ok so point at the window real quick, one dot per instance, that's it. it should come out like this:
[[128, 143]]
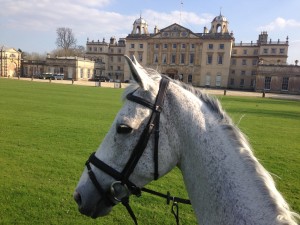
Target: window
[[164, 59], [173, 58], [232, 81], [220, 59], [267, 83], [119, 59], [281, 51], [273, 50], [95, 49], [252, 84], [218, 81], [119, 67], [156, 46], [254, 62], [253, 72], [192, 58], [100, 49], [182, 58], [244, 62], [174, 46], [210, 46], [209, 59], [234, 51], [165, 46], [112, 50], [266, 51], [111, 58], [245, 51], [233, 62], [221, 46], [233, 72], [89, 73], [255, 52], [141, 46], [61, 70], [131, 45], [81, 72], [90, 48], [285, 84], [242, 83], [140, 56], [183, 46], [207, 80], [243, 72], [190, 78], [192, 46], [155, 58], [119, 50]]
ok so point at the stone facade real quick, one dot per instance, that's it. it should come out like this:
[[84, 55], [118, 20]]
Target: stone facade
[[10, 62], [278, 79], [73, 68], [246, 57]]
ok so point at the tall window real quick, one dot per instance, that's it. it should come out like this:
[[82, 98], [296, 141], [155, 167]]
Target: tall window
[[155, 58], [210, 46], [218, 81], [81, 72], [285, 84], [182, 58], [190, 78], [244, 62], [207, 80], [140, 56], [192, 56], [173, 58], [165, 46], [209, 58], [141, 46], [220, 59], [267, 83], [164, 59], [174, 46], [242, 83]]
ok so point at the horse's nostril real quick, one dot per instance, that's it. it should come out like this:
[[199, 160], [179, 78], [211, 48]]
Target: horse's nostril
[[77, 197]]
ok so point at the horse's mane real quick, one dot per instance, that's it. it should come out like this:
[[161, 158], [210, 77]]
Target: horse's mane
[[267, 183]]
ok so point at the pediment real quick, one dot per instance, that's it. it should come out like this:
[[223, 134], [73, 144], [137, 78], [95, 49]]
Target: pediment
[[175, 31]]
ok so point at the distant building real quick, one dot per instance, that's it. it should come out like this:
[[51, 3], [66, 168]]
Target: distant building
[[278, 79], [76, 68], [207, 59], [246, 57], [109, 55], [10, 62]]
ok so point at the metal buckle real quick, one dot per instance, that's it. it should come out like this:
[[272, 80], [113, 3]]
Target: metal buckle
[[118, 191]]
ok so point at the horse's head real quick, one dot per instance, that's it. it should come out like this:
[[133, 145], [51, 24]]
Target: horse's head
[[126, 159]]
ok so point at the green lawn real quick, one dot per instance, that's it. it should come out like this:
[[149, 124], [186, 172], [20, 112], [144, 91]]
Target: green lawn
[[47, 132]]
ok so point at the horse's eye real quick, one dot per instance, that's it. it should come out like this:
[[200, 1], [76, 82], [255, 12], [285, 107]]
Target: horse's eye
[[123, 129]]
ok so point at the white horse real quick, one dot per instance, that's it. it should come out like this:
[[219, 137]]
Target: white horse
[[225, 182]]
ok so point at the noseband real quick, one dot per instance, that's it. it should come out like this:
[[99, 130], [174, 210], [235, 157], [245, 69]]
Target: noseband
[[121, 189]]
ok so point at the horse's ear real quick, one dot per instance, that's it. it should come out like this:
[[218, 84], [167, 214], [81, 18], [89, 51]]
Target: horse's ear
[[139, 74]]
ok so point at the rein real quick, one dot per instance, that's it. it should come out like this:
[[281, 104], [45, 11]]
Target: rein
[[121, 189]]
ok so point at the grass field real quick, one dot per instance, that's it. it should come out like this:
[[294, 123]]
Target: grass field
[[47, 132]]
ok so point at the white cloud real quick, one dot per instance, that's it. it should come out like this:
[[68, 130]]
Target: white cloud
[[280, 23]]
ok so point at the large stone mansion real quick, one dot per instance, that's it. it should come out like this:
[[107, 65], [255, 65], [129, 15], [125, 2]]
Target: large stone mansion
[[207, 59]]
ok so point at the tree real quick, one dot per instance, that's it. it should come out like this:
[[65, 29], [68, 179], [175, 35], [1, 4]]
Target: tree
[[65, 38]]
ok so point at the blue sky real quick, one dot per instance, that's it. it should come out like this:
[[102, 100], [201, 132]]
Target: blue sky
[[31, 24]]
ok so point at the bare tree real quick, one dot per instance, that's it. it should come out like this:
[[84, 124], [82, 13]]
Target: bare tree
[[65, 38]]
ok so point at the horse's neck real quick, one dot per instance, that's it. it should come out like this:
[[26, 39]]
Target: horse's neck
[[225, 182]]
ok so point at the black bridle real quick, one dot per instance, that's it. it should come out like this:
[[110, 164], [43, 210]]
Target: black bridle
[[121, 189]]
